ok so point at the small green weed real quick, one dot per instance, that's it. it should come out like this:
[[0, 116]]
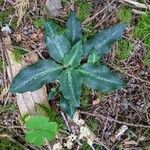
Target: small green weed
[[85, 98], [124, 14], [85, 8], [9, 108], [18, 53], [102, 96], [142, 31], [6, 144], [5, 15], [52, 115], [39, 129], [146, 60], [93, 124], [39, 23], [89, 30], [146, 132], [124, 49]]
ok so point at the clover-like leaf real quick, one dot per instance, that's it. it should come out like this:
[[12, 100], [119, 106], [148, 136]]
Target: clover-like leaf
[[103, 40], [35, 76], [74, 56], [70, 82], [99, 77], [66, 106], [74, 29], [39, 129]]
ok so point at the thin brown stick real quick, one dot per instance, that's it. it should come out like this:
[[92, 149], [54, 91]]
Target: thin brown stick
[[101, 22], [66, 121], [93, 17], [130, 75], [113, 120], [135, 4], [11, 127], [48, 144]]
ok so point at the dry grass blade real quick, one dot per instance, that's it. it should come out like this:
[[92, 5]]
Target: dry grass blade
[[113, 120], [136, 4], [20, 9], [96, 14]]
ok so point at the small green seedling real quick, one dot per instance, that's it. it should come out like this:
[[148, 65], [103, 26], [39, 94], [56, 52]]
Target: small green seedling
[[142, 31], [124, 14], [39, 129], [67, 51]]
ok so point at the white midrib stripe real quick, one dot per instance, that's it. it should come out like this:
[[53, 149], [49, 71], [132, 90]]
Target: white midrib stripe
[[59, 47], [99, 78], [70, 84], [52, 32], [35, 77], [105, 41], [73, 31], [74, 56], [94, 58]]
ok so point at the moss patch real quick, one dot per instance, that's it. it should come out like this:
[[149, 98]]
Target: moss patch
[[124, 14]]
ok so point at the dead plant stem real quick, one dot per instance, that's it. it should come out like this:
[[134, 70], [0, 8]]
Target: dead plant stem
[[113, 120]]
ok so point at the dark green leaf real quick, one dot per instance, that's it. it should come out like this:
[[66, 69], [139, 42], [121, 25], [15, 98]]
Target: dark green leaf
[[73, 57], [40, 129], [103, 41], [74, 29], [67, 107], [70, 82], [58, 46], [57, 43], [99, 77], [93, 58], [52, 93], [35, 76], [51, 29]]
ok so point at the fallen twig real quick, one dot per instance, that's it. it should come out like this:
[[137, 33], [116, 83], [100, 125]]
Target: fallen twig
[[113, 120], [101, 22], [138, 12], [94, 16], [136, 4], [130, 75]]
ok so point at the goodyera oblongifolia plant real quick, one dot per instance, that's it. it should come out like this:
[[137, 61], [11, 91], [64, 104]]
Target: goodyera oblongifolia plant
[[67, 50]]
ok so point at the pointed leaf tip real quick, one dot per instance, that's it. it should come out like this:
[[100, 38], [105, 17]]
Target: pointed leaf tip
[[99, 77], [67, 107], [103, 40], [34, 76], [74, 28]]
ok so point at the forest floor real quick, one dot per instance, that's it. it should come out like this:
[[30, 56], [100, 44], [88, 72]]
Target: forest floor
[[121, 119]]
